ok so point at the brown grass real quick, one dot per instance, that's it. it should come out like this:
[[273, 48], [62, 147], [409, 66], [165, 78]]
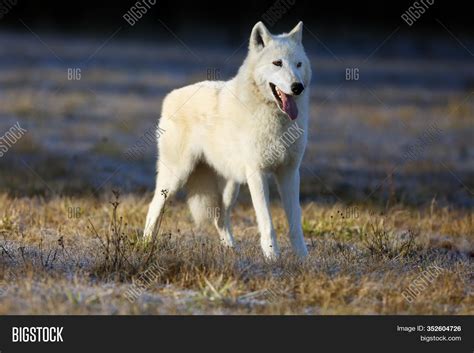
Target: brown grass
[[65, 255]]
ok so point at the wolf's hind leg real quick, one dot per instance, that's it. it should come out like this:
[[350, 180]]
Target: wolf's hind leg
[[230, 191], [210, 198], [203, 193], [167, 183]]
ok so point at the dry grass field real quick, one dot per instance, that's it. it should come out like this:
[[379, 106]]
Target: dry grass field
[[360, 261], [387, 184]]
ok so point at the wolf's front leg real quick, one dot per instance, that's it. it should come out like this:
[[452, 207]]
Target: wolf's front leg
[[258, 187], [288, 181]]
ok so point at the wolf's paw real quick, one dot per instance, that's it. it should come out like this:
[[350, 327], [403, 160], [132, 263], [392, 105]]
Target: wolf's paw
[[227, 242], [271, 251], [301, 251], [146, 236]]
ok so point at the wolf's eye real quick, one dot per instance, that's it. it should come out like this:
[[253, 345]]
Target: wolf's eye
[[299, 64], [277, 63]]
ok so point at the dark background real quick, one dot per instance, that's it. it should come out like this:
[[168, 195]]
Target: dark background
[[411, 76], [233, 17]]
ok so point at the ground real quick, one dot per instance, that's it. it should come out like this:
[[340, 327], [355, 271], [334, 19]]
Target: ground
[[360, 262], [387, 183]]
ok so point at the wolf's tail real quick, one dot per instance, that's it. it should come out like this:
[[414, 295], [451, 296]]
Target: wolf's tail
[[203, 194]]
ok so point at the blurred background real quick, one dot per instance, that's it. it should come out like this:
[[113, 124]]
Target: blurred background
[[391, 98]]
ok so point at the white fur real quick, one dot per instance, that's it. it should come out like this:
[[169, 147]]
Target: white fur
[[217, 135]]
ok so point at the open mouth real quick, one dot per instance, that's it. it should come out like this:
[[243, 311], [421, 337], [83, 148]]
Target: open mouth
[[285, 102]]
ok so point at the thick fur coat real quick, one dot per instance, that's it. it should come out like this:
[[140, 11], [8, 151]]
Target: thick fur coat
[[216, 135]]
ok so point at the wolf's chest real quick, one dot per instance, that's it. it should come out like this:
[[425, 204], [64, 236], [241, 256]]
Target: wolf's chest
[[278, 144]]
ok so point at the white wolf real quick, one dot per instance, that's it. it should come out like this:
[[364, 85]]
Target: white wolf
[[218, 135]]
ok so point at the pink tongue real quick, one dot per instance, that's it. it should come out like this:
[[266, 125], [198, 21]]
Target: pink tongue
[[289, 106]]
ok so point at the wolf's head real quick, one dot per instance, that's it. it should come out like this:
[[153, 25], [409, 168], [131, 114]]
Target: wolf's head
[[281, 69]]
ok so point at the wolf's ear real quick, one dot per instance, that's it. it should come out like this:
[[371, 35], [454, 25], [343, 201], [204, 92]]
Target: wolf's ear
[[297, 32], [260, 37]]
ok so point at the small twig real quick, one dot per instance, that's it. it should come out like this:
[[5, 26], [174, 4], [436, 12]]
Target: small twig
[[6, 252]]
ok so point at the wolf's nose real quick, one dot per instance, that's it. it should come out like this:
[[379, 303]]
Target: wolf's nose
[[297, 88]]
